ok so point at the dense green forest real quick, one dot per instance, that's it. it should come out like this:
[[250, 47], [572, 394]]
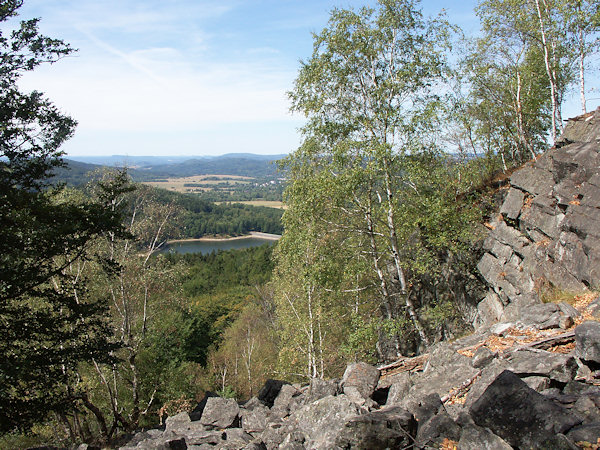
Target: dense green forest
[[257, 166], [199, 217], [407, 125]]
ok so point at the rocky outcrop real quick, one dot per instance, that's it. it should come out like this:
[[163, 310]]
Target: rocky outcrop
[[533, 389], [547, 232]]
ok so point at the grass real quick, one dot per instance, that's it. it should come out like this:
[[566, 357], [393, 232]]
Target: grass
[[177, 183], [268, 203], [556, 295]]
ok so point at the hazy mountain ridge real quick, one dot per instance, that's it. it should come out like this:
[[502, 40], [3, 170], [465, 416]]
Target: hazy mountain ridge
[[145, 168]]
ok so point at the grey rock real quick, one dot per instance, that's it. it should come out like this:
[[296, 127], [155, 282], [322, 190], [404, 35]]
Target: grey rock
[[585, 433], [566, 322], [518, 414], [482, 357], [199, 409], [256, 445], [532, 179], [428, 406], [254, 420], [220, 413], [174, 422], [538, 314], [500, 329], [254, 402], [473, 437], [237, 438], [214, 437], [594, 307], [319, 389], [587, 341], [489, 310], [555, 366], [538, 384], [513, 203], [284, 402], [360, 379], [436, 429], [569, 310], [390, 427], [587, 408], [322, 420], [273, 436], [270, 391], [399, 389]]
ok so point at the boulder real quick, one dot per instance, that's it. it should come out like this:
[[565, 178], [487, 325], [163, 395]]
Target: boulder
[[274, 435], [518, 414], [181, 419], [284, 402], [321, 421], [237, 438], [538, 384], [555, 366], [399, 388], [390, 427], [512, 203], [254, 420], [482, 357], [360, 380], [587, 341], [540, 316], [197, 412], [473, 437], [211, 437], [439, 427], [270, 391], [320, 388], [220, 413], [589, 433]]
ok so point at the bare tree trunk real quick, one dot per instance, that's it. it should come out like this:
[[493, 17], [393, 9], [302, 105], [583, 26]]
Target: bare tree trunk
[[410, 307], [549, 70], [582, 71]]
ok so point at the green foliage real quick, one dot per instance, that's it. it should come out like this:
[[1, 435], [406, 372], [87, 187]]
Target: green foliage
[[227, 392], [47, 329], [215, 272], [372, 200], [201, 217]]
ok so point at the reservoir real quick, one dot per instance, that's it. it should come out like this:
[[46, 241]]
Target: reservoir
[[206, 246]]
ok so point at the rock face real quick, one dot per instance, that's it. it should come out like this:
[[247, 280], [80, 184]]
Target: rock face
[[548, 229]]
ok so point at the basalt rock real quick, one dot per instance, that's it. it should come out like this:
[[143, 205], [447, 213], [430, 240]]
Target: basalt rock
[[547, 232]]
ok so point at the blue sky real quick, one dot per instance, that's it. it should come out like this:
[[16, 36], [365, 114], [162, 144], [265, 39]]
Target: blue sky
[[185, 77]]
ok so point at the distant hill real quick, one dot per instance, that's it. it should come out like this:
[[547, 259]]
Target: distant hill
[[243, 165], [75, 173], [147, 168]]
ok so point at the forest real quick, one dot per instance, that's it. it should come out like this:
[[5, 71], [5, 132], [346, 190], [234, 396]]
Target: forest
[[409, 127]]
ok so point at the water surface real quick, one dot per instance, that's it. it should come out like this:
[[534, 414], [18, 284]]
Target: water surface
[[205, 247]]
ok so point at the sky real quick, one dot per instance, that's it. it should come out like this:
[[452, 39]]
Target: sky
[[185, 77]]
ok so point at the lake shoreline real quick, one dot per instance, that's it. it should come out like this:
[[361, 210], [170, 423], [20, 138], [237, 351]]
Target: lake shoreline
[[253, 234]]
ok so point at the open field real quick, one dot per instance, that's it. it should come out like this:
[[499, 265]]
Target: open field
[[178, 184], [270, 204]]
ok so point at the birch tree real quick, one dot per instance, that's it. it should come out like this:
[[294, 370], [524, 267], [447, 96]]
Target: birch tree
[[370, 92]]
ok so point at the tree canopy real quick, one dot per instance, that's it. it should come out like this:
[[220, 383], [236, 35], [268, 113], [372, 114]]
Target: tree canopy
[[46, 328]]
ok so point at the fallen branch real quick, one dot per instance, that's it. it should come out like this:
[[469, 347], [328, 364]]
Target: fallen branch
[[547, 342], [462, 388]]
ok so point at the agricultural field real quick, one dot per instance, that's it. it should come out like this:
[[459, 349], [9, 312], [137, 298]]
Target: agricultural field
[[267, 203], [199, 183]]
